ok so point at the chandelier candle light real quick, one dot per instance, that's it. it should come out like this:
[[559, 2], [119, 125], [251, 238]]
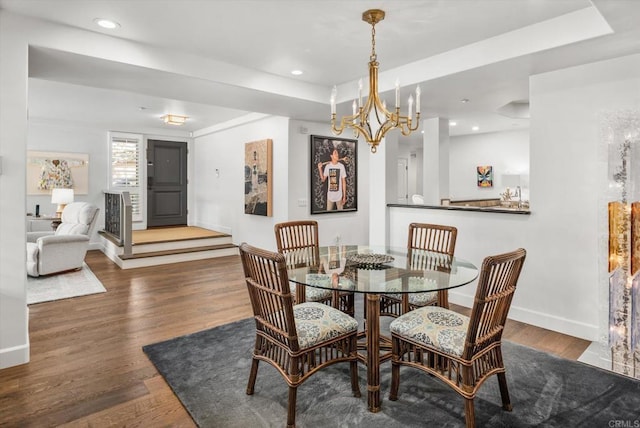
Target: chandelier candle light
[[387, 120]]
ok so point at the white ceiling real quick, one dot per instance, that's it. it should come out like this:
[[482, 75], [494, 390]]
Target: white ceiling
[[481, 50]]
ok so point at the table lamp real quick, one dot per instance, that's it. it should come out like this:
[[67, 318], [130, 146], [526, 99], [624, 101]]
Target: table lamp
[[62, 197]]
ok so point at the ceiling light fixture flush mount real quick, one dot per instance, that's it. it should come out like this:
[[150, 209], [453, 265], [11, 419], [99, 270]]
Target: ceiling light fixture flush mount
[[174, 119], [374, 107], [106, 23]]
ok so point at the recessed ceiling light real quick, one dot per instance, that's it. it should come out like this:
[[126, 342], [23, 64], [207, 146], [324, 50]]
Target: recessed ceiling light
[[475, 128], [296, 72], [106, 23], [452, 123], [464, 100]]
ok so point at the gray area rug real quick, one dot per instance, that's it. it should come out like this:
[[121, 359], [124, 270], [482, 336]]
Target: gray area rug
[[63, 286], [209, 370]]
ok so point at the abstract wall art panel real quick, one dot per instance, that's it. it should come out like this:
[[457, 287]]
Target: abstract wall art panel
[[485, 176]]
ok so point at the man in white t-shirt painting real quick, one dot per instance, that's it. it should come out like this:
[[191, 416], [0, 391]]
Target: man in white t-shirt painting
[[337, 185]]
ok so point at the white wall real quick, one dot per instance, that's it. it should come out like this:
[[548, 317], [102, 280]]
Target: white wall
[[507, 152], [561, 287], [219, 200], [569, 174]]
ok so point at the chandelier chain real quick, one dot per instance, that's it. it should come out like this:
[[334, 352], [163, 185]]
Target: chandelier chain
[[373, 56]]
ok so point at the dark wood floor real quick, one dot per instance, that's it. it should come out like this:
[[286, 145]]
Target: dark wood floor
[[87, 366]]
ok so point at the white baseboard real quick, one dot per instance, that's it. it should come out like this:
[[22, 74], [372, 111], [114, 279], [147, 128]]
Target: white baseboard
[[596, 356], [14, 356], [538, 319], [216, 227], [95, 246]]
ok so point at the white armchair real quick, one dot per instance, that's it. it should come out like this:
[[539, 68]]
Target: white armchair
[[64, 249]]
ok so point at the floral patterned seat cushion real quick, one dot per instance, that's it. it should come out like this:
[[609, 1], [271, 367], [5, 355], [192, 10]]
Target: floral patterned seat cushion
[[311, 294], [416, 299], [330, 280], [316, 323], [433, 326]]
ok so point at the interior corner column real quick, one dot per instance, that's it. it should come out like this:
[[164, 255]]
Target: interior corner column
[[378, 217], [435, 158], [14, 73]]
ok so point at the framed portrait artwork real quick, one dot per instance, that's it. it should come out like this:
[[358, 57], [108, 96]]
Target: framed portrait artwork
[[258, 182], [334, 175]]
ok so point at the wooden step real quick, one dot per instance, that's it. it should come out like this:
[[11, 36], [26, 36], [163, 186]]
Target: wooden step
[[176, 251], [168, 251]]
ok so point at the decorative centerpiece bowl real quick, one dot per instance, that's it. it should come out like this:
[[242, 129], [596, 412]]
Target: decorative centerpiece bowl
[[369, 261]]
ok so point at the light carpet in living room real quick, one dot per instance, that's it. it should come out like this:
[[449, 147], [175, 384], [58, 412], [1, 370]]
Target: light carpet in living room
[[63, 286]]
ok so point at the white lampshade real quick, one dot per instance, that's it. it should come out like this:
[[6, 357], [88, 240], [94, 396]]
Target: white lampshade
[[61, 196]]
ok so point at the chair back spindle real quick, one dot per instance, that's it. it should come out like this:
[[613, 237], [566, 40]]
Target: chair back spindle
[[271, 298], [298, 242], [424, 240], [497, 283], [432, 237]]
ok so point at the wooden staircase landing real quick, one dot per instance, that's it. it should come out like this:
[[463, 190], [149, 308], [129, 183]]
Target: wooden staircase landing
[[159, 246]]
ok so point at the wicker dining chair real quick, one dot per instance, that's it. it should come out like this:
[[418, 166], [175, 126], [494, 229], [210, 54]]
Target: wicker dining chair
[[422, 237], [298, 242], [461, 351], [298, 340]]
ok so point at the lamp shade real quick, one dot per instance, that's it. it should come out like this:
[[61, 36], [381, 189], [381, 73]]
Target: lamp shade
[[61, 196]]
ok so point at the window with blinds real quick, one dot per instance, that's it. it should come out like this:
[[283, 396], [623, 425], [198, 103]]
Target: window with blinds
[[125, 174]]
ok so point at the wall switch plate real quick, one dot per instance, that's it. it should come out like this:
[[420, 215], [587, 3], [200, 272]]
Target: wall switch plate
[[302, 202]]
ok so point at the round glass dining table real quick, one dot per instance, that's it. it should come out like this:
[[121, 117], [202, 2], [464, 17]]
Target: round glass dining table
[[373, 271]]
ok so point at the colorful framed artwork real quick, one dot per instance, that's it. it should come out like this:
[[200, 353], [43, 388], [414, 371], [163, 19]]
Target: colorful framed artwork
[[485, 176], [258, 178], [49, 170], [617, 225], [334, 175]]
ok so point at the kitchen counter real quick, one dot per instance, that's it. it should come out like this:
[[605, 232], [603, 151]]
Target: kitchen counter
[[494, 209]]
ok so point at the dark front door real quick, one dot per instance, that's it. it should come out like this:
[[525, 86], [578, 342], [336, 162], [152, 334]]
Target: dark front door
[[166, 183]]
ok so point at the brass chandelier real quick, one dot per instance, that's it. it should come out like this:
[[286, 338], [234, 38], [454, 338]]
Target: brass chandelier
[[362, 114]]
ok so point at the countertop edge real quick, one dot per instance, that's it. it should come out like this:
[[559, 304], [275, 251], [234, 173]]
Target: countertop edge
[[459, 208]]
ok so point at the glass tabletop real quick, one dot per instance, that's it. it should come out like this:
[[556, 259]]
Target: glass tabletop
[[371, 269]]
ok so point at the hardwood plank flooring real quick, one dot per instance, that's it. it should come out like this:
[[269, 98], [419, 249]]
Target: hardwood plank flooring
[[87, 366]]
